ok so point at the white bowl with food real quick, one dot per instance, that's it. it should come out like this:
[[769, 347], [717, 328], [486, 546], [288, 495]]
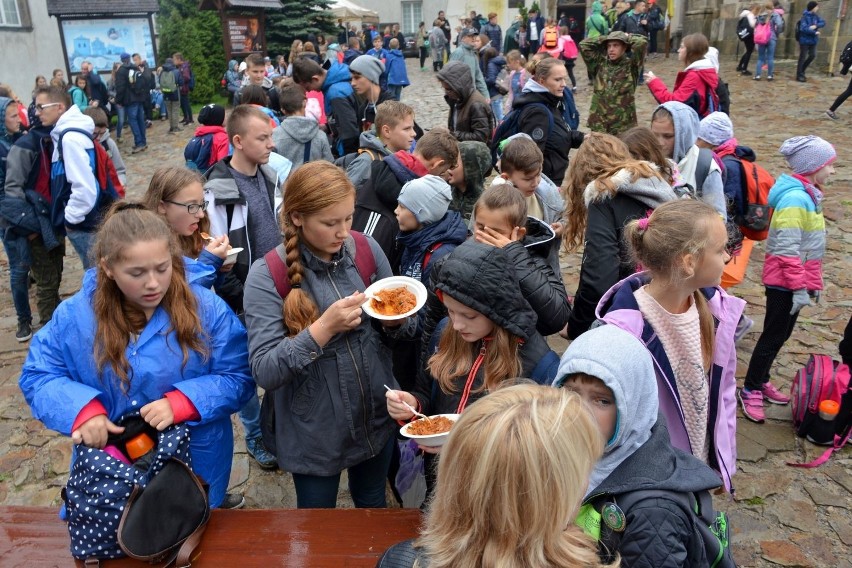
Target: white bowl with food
[[419, 430], [401, 297], [232, 256]]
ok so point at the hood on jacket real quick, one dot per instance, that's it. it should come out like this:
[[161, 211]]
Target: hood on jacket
[[597, 7], [72, 118], [370, 141], [476, 275], [713, 57], [231, 64], [450, 229], [210, 129], [786, 184], [686, 125], [459, 78], [301, 128], [652, 192], [4, 104], [337, 73], [630, 377], [535, 92], [476, 162], [539, 236]]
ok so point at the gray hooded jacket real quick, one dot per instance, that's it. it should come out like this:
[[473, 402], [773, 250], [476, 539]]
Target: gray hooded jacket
[[295, 134]]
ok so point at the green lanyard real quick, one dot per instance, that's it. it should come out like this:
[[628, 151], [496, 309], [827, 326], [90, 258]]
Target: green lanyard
[[589, 520]]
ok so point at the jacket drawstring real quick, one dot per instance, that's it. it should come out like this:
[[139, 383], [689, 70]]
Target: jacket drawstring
[[471, 376]]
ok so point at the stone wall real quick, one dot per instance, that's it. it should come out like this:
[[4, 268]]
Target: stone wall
[[717, 19]]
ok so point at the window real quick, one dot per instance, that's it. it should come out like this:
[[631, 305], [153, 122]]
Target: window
[[412, 15], [14, 14]]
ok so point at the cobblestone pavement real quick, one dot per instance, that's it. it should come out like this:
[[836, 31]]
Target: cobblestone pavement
[[781, 516]]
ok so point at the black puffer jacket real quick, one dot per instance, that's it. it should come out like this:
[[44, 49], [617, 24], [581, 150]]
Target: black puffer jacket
[[540, 286], [554, 143], [470, 113], [606, 260], [658, 532], [480, 276]]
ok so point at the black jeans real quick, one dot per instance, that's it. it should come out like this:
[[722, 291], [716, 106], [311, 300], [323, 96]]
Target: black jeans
[[807, 53], [749, 46], [777, 327], [652, 46], [186, 107], [569, 67], [422, 57], [842, 97]]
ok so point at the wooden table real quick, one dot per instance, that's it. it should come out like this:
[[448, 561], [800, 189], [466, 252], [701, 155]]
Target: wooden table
[[34, 537]]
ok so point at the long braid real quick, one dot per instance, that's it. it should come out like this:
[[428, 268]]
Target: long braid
[[300, 310]]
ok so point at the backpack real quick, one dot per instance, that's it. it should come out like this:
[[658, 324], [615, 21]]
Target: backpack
[[168, 84], [109, 186], [551, 37], [846, 55], [345, 161], [711, 101], [511, 126], [798, 30], [763, 32], [199, 153], [821, 379], [710, 526], [136, 81], [365, 262], [751, 208], [155, 512], [723, 93], [570, 114], [744, 30], [782, 27], [502, 83]]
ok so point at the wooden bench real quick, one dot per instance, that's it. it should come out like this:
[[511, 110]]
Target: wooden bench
[[293, 538]]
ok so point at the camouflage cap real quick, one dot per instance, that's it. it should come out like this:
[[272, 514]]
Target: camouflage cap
[[619, 36]]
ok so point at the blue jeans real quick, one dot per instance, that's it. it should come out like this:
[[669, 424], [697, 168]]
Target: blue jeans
[[20, 259], [121, 112], [250, 417], [136, 118], [366, 484], [766, 55], [497, 107], [82, 242], [395, 91]]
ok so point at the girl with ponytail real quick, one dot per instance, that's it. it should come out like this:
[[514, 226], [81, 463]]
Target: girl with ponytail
[[138, 338], [323, 364], [687, 322]]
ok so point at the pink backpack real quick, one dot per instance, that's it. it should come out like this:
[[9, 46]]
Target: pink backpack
[[820, 380], [763, 32]]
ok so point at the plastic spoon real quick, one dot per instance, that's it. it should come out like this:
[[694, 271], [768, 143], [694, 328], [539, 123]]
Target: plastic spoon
[[409, 407]]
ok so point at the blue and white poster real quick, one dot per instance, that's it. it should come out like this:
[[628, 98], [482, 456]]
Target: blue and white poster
[[102, 41]]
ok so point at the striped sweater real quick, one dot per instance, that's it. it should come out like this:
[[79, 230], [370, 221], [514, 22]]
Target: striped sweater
[[796, 243]]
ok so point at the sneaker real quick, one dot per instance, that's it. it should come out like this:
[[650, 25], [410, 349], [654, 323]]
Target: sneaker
[[25, 331], [137, 149], [770, 77], [830, 114], [757, 77], [773, 395], [254, 446], [233, 501], [148, 124], [752, 403], [745, 324], [745, 72]]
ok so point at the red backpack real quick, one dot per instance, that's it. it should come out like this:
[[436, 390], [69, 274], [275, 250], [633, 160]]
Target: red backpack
[[822, 379], [756, 213]]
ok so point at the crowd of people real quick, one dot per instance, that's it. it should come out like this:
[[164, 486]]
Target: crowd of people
[[246, 266]]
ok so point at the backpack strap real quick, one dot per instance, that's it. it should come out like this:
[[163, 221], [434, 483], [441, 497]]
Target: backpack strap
[[702, 169], [307, 157], [365, 263], [428, 256]]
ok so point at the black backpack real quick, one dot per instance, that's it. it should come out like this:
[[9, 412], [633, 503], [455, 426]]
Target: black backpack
[[744, 30], [846, 58], [710, 526], [798, 30]]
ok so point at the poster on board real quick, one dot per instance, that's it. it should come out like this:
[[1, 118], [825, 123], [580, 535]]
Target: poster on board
[[102, 41], [245, 34]]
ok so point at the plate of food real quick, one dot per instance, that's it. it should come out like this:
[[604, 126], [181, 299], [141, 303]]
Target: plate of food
[[431, 432], [394, 298], [232, 255]]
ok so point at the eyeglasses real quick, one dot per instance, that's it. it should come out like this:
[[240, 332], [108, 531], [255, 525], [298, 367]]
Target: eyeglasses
[[191, 208], [41, 107]]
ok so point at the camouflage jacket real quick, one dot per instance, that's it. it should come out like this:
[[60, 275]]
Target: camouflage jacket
[[613, 108]]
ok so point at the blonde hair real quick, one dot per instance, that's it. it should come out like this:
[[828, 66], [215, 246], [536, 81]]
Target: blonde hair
[[674, 230], [541, 68], [455, 357], [510, 482], [504, 197], [165, 184], [310, 189], [598, 158]]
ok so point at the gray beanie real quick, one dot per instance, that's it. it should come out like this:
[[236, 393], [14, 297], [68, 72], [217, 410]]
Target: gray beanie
[[807, 154], [369, 67], [427, 197], [716, 128]]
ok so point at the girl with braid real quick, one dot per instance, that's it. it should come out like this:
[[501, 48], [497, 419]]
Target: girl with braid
[[323, 364]]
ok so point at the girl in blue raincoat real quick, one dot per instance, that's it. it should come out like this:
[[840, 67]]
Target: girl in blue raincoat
[[138, 338]]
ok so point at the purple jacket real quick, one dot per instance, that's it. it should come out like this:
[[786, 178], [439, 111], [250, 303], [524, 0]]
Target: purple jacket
[[618, 307]]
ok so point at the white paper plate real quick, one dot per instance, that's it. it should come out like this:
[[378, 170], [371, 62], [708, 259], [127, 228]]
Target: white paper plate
[[432, 440], [232, 255], [413, 286]]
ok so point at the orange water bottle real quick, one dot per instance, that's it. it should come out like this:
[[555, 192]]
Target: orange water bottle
[[822, 429]]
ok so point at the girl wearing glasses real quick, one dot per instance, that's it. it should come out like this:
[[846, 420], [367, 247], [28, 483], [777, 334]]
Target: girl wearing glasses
[[177, 195], [139, 337], [687, 322]]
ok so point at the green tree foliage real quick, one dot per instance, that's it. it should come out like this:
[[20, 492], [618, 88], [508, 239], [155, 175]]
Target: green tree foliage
[[296, 20], [198, 36]]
